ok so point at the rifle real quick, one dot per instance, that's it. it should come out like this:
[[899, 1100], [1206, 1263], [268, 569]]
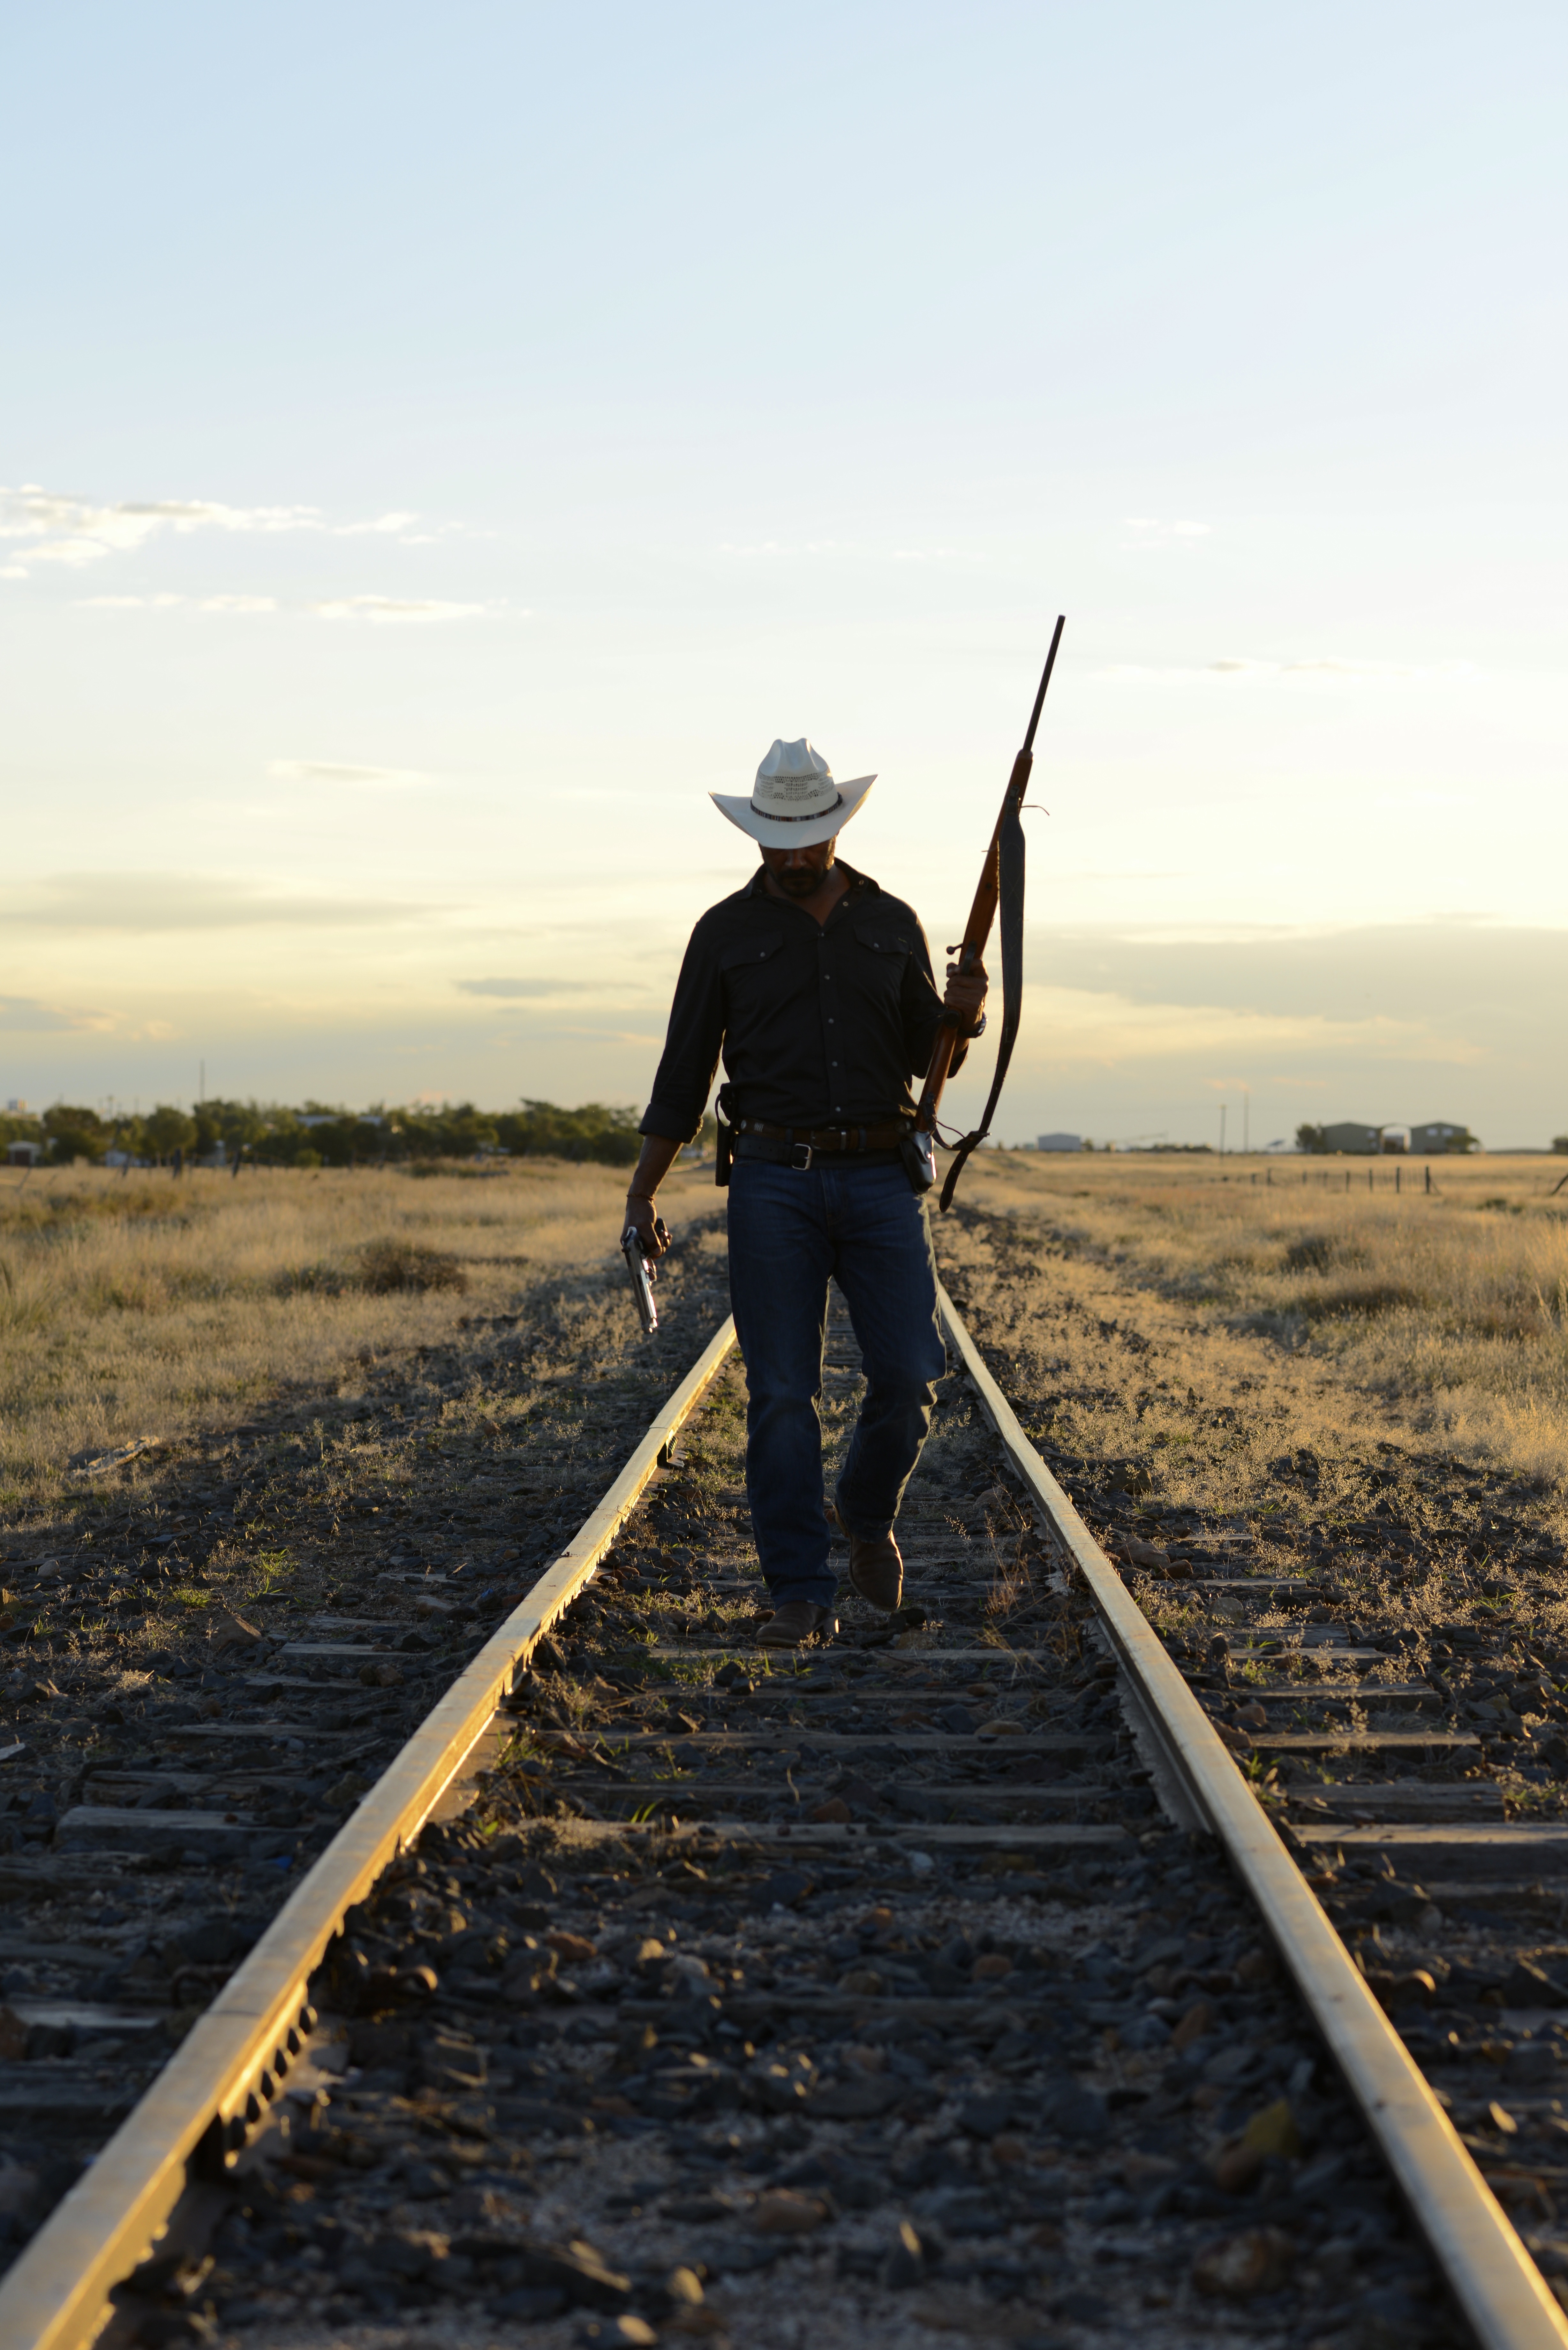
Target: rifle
[[1002, 876]]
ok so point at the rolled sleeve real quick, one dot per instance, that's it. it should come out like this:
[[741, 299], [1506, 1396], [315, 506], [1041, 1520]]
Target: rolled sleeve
[[671, 1125]]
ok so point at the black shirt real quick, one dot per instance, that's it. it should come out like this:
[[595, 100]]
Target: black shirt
[[820, 1024]]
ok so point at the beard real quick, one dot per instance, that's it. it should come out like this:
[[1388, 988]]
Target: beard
[[803, 882]]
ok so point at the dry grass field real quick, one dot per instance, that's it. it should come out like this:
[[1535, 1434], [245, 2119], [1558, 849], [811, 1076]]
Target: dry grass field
[[143, 1306], [150, 1307], [1303, 1313]]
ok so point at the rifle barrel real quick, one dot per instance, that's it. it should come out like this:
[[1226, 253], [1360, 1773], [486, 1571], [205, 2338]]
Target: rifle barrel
[[1045, 681]]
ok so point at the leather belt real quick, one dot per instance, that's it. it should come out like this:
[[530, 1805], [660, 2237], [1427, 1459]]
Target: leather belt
[[804, 1143]]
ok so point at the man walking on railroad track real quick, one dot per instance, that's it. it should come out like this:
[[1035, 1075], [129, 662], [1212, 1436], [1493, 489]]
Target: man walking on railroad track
[[816, 987]]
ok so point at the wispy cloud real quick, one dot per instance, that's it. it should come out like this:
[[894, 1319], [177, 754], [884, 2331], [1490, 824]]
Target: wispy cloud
[[528, 1038], [334, 771], [841, 550], [148, 902], [392, 611], [1081, 1024], [783, 547], [381, 611], [1268, 673], [129, 603], [167, 603], [1319, 665], [19, 1013], [532, 990], [60, 527], [1149, 530]]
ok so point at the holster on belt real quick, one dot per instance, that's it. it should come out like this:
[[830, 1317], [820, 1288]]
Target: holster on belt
[[722, 1138]]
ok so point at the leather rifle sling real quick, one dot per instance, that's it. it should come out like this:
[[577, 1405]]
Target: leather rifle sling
[[1010, 907]]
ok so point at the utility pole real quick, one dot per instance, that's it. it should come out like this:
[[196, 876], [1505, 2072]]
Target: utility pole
[[202, 1084], [1246, 1119], [1222, 1129]]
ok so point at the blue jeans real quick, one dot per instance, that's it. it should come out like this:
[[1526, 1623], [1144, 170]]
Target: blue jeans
[[788, 1233]]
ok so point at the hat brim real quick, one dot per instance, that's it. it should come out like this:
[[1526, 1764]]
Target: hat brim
[[797, 832]]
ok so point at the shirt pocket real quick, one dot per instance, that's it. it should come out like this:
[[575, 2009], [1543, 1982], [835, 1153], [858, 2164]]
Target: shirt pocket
[[744, 973], [883, 949]]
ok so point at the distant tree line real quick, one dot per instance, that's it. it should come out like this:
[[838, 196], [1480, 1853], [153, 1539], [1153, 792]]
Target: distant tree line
[[319, 1135], [1316, 1139]]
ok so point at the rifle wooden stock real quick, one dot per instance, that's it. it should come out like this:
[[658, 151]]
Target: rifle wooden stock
[[981, 914], [976, 930]]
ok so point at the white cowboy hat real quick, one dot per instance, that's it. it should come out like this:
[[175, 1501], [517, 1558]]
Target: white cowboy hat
[[795, 801]]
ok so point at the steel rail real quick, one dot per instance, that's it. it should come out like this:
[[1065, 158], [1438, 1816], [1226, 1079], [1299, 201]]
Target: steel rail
[[1492, 2277], [236, 2056]]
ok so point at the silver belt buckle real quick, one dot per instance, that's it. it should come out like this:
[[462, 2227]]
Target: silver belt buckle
[[802, 1166]]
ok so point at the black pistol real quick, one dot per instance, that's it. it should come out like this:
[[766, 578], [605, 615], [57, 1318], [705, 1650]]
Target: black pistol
[[644, 1273]]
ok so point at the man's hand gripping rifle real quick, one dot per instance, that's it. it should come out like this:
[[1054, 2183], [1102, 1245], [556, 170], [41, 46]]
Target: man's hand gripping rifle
[[643, 1272]]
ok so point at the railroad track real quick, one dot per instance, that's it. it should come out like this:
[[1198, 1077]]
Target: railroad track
[[950, 1980]]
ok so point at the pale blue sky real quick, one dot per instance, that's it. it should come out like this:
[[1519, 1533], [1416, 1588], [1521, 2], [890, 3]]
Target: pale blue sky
[[441, 446]]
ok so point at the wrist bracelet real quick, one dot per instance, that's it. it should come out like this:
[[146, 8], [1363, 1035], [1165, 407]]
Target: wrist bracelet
[[646, 1197]]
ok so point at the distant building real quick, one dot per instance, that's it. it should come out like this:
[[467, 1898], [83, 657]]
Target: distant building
[[1393, 1140], [1060, 1142], [1437, 1138], [1360, 1141], [22, 1154]]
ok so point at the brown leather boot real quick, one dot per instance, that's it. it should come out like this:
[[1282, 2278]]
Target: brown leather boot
[[876, 1567], [791, 1625]]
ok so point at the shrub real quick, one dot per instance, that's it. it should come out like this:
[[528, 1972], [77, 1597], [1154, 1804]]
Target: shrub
[[167, 1130], [1373, 1297], [386, 1266], [1315, 1254], [75, 1134]]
